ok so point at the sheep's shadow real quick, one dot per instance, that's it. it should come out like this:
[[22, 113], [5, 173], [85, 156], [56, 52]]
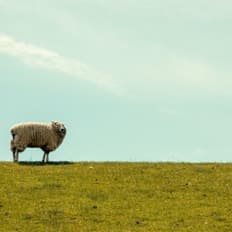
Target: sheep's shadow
[[39, 163]]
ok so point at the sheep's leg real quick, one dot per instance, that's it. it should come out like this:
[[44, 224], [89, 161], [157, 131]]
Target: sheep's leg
[[13, 152], [13, 149], [44, 155], [13, 155], [47, 157], [16, 156]]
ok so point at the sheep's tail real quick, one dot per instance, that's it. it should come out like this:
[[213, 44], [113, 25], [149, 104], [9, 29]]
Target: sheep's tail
[[13, 133]]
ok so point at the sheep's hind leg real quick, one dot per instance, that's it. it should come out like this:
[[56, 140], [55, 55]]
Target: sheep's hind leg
[[16, 155], [13, 152], [13, 149]]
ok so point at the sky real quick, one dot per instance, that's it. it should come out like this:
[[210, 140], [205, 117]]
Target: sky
[[131, 80]]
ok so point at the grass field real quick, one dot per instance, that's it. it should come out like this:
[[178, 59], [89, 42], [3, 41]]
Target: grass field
[[115, 197]]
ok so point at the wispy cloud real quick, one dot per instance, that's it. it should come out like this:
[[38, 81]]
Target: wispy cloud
[[46, 59]]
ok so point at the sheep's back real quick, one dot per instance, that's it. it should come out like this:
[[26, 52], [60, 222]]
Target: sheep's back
[[32, 134]]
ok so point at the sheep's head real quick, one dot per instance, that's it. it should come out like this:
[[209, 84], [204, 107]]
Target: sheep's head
[[59, 128]]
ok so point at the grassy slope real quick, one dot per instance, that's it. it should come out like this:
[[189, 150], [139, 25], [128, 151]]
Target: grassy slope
[[116, 197]]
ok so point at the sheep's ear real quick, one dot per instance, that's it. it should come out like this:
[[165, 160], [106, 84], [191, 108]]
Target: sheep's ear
[[53, 123]]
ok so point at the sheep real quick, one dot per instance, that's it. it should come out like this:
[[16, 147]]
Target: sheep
[[47, 136]]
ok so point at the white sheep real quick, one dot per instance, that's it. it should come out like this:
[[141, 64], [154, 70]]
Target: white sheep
[[47, 136]]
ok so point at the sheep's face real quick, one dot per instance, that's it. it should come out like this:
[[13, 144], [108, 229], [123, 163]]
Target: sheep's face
[[59, 128]]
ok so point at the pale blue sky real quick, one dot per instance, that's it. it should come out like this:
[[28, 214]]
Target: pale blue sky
[[131, 80]]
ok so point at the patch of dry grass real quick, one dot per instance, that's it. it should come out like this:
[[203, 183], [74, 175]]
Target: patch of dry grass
[[115, 197]]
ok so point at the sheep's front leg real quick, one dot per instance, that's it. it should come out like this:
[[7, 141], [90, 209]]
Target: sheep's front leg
[[45, 157]]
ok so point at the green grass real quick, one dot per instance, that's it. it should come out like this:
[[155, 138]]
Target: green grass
[[115, 197]]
